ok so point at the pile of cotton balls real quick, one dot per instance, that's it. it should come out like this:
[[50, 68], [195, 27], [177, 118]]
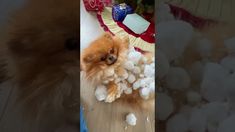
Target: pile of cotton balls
[[136, 73], [200, 97]]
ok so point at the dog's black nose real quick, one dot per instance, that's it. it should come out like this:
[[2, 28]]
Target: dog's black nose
[[111, 59]]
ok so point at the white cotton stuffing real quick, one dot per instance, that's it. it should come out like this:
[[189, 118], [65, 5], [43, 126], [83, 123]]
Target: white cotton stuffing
[[229, 63], [227, 125], [177, 123], [177, 78], [131, 119], [144, 92], [173, 37], [101, 93], [193, 97], [136, 84], [162, 64], [128, 91], [136, 70], [149, 71], [164, 106], [196, 71], [135, 57], [212, 86], [230, 45], [129, 65], [197, 121], [204, 47], [131, 78]]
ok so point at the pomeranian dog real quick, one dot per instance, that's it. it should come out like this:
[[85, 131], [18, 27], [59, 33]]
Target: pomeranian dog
[[43, 59], [108, 51]]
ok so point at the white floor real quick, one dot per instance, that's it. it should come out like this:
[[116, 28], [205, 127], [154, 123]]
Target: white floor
[[89, 27]]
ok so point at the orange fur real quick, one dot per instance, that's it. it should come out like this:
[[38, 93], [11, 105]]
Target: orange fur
[[94, 67]]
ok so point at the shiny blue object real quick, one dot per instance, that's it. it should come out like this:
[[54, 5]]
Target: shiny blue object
[[120, 11], [83, 127]]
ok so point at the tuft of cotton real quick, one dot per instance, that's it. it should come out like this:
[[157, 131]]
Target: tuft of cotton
[[162, 64], [229, 63], [193, 97], [131, 119], [129, 65], [227, 125], [173, 37], [131, 78], [178, 123], [164, 106], [128, 91], [204, 47], [101, 92], [149, 71], [215, 112], [212, 87], [134, 56], [136, 84], [144, 92], [177, 78], [230, 45], [136, 70], [196, 71], [197, 121]]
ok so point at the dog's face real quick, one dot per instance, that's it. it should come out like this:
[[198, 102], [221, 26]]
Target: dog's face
[[102, 53]]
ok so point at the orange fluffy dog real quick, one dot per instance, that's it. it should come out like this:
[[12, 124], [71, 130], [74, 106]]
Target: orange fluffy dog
[[43, 59], [105, 52]]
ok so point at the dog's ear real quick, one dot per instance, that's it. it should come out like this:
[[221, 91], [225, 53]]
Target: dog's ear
[[126, 41], [108, 35], [88, 58]]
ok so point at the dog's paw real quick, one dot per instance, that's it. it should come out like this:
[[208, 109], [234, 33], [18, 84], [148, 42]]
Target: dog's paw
[[112, 92]]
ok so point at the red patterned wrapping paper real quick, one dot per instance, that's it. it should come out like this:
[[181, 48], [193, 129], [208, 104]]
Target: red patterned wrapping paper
[[96, 5]]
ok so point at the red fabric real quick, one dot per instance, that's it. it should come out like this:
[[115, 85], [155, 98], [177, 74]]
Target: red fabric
[[197, 22], [96, 5]]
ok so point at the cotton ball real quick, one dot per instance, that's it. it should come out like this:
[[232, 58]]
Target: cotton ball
[[129, 65], [227, 125], [141, 75], [229, 63], [146, 81], [136, 70], [152, 87], [177, 78], [197, 121], [215, 112], [164, 105], [131, 78], [148, 71], [128, 91], [213, 81], [101, 92], [196, 71], [144, 92], [230, 44], [178, 123], [109, 72], [204, 47], [193, 97], [162, 64], [123, 86], [131, 119], [136, 84], [117, 80], [173, 37], [135, 56]]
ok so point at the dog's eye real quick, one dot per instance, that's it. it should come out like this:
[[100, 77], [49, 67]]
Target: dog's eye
[[103, 58], [71, 44]]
